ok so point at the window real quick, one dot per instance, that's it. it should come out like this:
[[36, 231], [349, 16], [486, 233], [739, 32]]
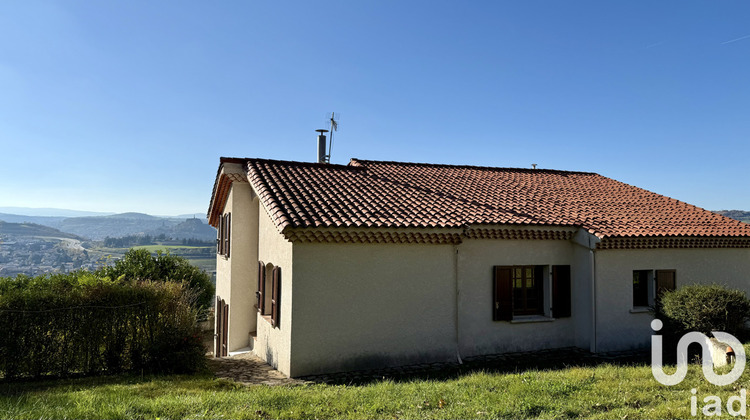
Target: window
[[648, 285], [529, 289], [223, 234], [641, 287], [269, 278]]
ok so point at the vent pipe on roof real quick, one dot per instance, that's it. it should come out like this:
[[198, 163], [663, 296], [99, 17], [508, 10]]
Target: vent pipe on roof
[[322, 156]]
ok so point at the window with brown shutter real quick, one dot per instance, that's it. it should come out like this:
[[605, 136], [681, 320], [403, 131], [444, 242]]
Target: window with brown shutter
[[223, 233], [561, 291], [261, 285], [502, 309], [275, 297]]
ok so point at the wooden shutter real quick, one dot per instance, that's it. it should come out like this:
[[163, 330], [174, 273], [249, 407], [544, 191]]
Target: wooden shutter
[[220, 236], [275, 294], [261, 288], [502, 305], [225, 329], [219, 318], [229, 234], [561, 305], [665, 280]]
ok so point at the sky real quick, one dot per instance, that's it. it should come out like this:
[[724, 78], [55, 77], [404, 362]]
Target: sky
[[118, 106]]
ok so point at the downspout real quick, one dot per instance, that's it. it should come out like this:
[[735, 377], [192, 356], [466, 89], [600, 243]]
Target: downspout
[[592, 257], [455, 321], [586, 240]]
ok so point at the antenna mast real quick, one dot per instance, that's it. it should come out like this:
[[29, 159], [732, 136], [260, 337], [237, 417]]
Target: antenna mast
[[334, 127]]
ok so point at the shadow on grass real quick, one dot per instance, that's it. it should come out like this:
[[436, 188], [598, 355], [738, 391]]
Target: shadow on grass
[[557, 359]]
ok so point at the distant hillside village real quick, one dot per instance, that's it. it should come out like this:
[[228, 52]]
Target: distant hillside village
[[33, 245]]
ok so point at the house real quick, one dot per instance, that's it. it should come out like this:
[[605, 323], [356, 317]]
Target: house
[[324, 268]]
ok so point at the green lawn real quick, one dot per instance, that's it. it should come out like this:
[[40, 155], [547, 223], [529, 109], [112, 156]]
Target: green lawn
[[154, 248], [606, 391]]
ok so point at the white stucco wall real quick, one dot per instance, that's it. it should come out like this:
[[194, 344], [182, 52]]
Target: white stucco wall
[[273, 344], [371, 305], [479, 334], [617, 327], [235, 275]]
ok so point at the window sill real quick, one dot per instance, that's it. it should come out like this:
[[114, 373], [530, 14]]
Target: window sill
[[267, 318], [640, 310], [523, 319]]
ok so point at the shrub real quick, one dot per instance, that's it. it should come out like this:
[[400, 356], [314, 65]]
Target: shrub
[[139, 264], [704, 308], [84, 323]]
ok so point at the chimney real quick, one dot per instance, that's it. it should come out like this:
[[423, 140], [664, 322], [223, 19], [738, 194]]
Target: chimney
[[322, 157]]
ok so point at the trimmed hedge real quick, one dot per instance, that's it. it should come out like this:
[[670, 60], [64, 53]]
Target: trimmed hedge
[[139, 264], [85, 323], [704, 308]]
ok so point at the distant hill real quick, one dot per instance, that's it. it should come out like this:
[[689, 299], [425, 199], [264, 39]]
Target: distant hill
[[52, 221], [123, 224], [116, 225], [135, 216], [189, 229], [32, 229], [741, 215], [49, 212]]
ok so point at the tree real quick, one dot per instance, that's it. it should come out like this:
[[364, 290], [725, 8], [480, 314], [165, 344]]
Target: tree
[[139, 264]]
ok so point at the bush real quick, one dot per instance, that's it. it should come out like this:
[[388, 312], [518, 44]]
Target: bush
[[139, 264], [704, 308], [84, 323]]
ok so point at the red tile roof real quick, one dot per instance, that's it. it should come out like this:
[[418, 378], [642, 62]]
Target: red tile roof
[[395, 194]]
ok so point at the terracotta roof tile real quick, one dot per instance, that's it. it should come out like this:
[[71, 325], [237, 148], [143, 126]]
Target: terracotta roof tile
[[395, 194]]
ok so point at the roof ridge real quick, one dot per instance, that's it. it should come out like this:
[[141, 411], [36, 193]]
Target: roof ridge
[[356, 162], [247, 160]]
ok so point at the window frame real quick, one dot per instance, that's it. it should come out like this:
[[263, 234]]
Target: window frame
[[653, 289], [224, 235], [554, 292]]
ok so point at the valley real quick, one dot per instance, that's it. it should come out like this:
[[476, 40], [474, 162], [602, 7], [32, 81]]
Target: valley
[[34, 245]]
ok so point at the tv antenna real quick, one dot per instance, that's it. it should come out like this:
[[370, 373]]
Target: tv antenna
[[334, 124]]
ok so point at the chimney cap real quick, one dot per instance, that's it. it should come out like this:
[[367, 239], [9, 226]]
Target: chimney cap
[[321, 131]]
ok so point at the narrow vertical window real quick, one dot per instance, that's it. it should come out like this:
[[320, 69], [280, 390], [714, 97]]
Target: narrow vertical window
[[640, 287]]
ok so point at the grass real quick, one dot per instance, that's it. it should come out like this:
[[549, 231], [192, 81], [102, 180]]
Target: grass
[[154, 248], [605, 391]]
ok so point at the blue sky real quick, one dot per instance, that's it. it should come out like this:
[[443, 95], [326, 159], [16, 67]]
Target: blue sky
[[127, 106]]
